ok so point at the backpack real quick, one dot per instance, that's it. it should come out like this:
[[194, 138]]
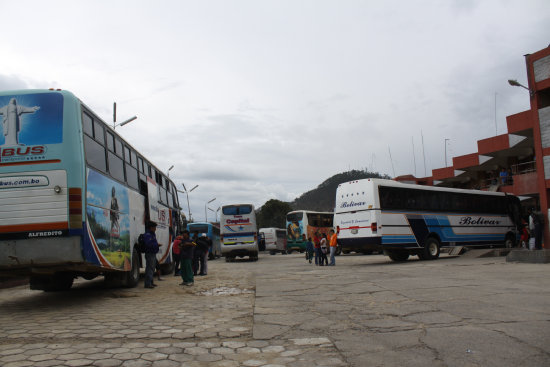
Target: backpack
[[140, 244]]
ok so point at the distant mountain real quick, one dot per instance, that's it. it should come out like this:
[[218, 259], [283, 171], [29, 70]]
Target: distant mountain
[[323, 197]]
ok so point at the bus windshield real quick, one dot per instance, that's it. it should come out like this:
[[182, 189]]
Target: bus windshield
[[294, 217], [237, 209]]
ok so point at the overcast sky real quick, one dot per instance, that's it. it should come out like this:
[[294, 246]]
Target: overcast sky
[[254, 100]]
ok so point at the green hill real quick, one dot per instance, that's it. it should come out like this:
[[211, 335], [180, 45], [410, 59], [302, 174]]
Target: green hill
[[323, 197]]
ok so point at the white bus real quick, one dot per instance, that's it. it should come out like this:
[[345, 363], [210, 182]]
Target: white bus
[[275, 240], [238, 232], [407, 219]]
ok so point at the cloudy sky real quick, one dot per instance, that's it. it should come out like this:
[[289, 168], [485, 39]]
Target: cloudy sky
[[260, 99]]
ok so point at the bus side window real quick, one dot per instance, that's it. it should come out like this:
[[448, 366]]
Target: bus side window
[[110, 142], [127, 154], [140, 164], [95, 154], [118, 147], [98, 132], [132, 176], [87, 124]]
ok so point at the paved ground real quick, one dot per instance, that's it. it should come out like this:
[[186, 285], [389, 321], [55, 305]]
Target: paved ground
[[281, 311]]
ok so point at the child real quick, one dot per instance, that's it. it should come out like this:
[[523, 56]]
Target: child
[[324, 260], [524, 239]]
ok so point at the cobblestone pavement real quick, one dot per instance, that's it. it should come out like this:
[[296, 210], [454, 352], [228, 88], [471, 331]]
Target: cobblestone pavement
[[281, 311], [209, 324]]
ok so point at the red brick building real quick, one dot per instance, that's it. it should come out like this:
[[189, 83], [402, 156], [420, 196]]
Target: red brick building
[[517, 162]]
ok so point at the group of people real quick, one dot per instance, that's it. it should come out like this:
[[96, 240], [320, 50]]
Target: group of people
[[190, 255], [320, 246], [531, 233]]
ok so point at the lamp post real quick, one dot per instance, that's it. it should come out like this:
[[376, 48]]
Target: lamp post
[[187, 194], [205, 212], [446, 151], [168, 172], [213, 211]]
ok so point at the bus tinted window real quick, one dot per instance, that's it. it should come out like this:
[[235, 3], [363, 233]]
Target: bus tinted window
[[127, 154], [118, 147], [140, 164], [132, 176], [98, 132], [87, 124], [110, 142], [134, 159], [237, 209], [116, 167], [294, 217], [95, 154]]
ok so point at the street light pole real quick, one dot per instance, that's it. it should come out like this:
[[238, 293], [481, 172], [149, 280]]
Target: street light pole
[[168, 172], [187, 194], [205, 212]]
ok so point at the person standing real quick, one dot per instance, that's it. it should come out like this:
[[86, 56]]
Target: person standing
[[187, 248], [201, 256], [176, 254], [535, 227], [323, 250], [151, 250], [333, 245], [309, 248], [317, 248]]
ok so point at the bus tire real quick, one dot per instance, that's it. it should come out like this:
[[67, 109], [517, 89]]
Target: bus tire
[[398, 256], [289, 251], [431, 249], [132, 277], [166, 269], [510, 241]]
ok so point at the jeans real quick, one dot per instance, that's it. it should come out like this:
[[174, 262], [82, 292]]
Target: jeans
[[317, 255], [332, 253], [150, 262]]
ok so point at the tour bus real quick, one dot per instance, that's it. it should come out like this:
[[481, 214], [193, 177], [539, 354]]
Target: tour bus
[[275, 240], [239, 236], [213, 232], [306, 222], [407, 219], [74, 195]]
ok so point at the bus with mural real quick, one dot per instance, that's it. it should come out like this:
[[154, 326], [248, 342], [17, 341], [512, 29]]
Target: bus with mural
[[212, 231], [238, 232], [306, 222], [74, 195], [407, 219]]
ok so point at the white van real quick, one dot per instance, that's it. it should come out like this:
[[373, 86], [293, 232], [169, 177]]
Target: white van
[[275, 240], [238, 232]]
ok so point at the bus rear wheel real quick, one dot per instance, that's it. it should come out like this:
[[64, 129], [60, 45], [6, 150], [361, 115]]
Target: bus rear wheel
[[431, 249], [509, 242]]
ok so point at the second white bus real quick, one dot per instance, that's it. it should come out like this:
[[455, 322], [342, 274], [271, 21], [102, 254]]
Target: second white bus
[[405, 219]]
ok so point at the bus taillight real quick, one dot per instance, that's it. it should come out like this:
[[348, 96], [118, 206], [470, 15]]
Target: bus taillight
[[374, 227], [75, 207]]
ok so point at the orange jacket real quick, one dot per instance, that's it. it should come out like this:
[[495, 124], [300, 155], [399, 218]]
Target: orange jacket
[[333, 241]]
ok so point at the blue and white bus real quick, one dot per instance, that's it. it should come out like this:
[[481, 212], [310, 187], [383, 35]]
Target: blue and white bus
[[406, 219], [239, 234], [212, 231], [74, 196]]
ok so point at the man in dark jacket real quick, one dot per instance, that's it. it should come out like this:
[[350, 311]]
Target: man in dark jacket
[[187, 248], [201, 255], [151, 250]]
